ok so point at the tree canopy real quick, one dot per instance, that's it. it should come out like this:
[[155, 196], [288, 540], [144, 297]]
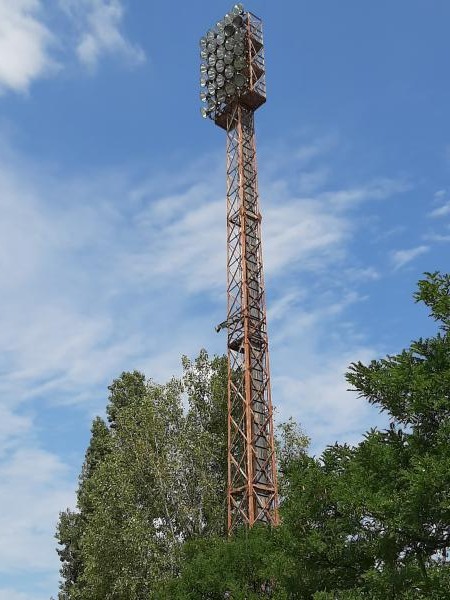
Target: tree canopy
[[370, 521]]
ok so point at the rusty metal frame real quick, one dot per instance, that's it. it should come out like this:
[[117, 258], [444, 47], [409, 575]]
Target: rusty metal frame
[[252, 476]]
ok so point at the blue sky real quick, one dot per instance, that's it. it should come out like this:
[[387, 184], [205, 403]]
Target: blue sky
[[112, 227]]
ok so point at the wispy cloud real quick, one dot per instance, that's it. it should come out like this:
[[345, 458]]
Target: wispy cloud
[[25, 44], [441, 211], [33, 489], [402, 257], [99, 23]]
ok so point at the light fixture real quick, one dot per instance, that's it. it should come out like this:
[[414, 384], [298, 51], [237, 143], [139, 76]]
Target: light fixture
[[229, 30], [229, 72], [204, 112], [230, 89], [228, 58], [227, 63], [239, 49], [221, 95], [239, 80], [229, 44]]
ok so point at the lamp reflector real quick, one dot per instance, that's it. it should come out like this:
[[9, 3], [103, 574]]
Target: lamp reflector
[[228, 19], [238, 9], [203, 82], [239, 49], [203, 43], [220, 66], [211, 47], [220, 81], [211, 74], [238, 21], [203, 96], [239, 63], [211, 88], [239, 80], [204, 112], [229, 44], [229, 30], [204, 69], [204, 54], [221, 95], [229, 72], [212, 60], [220, 52], [230, 88], [210, 36], [220, 39], [228, 58]]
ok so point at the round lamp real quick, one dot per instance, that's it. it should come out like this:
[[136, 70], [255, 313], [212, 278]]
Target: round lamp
[[239, 80], [220, 81], [230, 89], [228, 58], [229, 72], [220, 52], [229, 30]]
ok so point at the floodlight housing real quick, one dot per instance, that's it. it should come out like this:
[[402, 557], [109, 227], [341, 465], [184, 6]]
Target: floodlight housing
[[233, 51]]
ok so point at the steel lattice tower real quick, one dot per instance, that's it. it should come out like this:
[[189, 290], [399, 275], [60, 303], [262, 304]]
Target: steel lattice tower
[[233, 82]]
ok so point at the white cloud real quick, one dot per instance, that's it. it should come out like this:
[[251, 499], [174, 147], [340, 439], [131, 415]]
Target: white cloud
[[319, 399], [33, 489], [10, 594], [402, 257], [99, 23], [25, 44], [442, 211]]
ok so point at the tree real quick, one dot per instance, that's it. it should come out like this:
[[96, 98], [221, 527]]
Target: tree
[[150, 481], [366, 522]]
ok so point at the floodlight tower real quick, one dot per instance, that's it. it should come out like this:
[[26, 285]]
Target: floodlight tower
[[233, 87]]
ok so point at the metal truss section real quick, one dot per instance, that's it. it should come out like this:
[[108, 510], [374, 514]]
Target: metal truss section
[[252, 476]]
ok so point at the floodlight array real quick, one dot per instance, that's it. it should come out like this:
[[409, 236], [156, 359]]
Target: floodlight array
[[226, 62]]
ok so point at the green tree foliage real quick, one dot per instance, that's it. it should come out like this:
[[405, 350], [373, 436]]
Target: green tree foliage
[[370, 522], [152, 479], [366, 522]]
